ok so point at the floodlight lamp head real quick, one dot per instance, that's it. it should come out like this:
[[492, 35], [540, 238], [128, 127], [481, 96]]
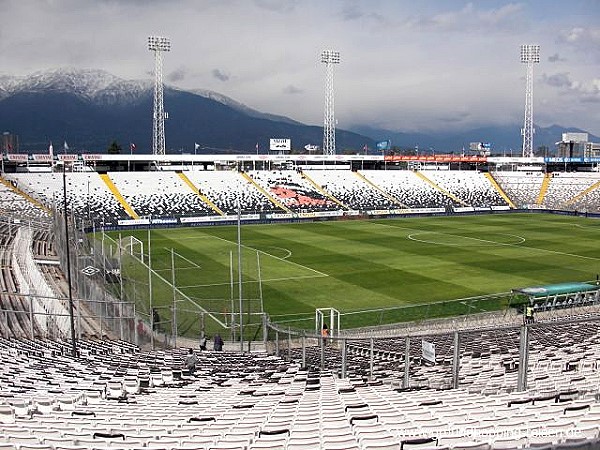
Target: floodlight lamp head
[[530, 53], [330, 57], [159, 44]]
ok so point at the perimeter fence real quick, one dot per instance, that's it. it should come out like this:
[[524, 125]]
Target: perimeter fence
[[557, 354]]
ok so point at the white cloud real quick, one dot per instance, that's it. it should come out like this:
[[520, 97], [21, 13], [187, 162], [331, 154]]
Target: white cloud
[[582, 40], [470, 18], [583, 92], [581, 36]]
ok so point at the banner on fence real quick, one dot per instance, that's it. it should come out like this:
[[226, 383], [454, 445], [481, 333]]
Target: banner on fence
[[428, 351]]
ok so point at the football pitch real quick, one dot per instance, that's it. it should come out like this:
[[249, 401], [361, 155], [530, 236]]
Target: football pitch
[[367, 265]]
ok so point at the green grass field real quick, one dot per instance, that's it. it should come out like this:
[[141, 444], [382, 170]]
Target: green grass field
[[371, 264]]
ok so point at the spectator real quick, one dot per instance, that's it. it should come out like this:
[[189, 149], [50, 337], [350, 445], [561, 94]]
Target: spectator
[[155, 320], [203, 342], [218, 342], [190, 361], [529, 314], [325, 333]]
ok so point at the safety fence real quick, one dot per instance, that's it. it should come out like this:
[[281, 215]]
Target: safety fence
[[547, 357]]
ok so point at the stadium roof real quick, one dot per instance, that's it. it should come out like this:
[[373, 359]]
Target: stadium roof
[[556, 289]]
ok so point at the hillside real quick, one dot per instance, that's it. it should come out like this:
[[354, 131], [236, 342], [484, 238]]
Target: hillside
[[90, 109]]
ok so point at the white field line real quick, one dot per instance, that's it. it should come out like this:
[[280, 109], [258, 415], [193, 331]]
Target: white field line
[[197, 266], [587, 227], [288, 252], [178, 268], [276, 257], [556, 252], [184, 295], [253, 281], [412, 238], [182, 238]]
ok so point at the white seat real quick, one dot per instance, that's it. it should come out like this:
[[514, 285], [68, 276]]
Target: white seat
[[472, 446], [7, 414], [509, 443]]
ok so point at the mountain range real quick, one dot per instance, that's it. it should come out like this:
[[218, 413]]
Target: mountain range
[[91, 108]]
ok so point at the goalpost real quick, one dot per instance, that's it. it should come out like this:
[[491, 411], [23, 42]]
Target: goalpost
[[329, 317], [133, 246]]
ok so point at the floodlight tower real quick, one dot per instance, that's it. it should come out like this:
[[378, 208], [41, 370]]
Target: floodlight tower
[[158, 45], [530, 54], [329, 58]]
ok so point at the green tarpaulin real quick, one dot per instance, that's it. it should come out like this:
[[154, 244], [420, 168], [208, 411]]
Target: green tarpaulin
[[556, 289]]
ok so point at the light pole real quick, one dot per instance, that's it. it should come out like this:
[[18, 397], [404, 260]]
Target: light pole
[[329, 58], [239, 249], [150, 302], [68, 250], [158, 44], [530, 54]]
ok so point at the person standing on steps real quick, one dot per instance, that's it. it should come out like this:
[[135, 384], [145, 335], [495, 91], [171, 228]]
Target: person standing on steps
[[218, 342]]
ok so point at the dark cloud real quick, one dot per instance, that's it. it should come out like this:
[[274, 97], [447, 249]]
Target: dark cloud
[[590, 98], [292, 90], [220, 75], [584, 92], [555, 58], [177, 75], [352, 13], [455, 117], [280, 6], [558, 80]]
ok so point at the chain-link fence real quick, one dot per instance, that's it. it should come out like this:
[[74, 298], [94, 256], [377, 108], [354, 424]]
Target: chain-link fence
[[96, 283], [20, 317]]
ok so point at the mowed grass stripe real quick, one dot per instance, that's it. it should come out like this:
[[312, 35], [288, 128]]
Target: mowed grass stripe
[[317, 254], [213, 279], [320, 252], [372, 268], [373, 264], [539, 237]]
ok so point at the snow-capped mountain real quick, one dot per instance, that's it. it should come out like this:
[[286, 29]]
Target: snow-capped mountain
[[95, 85], [92, 108], [228, 101], [104, 88]]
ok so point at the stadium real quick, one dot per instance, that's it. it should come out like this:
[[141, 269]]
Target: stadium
[[460, 296]]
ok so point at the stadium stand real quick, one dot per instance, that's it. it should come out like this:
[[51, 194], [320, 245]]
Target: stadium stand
[[13, 321], [523, 188], [228, 188], [113, 394], [12, 203], [166, 194], [294, 190], [159, 194], [409, 189], [351, 189], [566, 186], [470, 186], [132, 399], [87, 194]]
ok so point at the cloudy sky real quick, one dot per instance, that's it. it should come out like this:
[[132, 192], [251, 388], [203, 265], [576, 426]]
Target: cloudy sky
[[406, 65]]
